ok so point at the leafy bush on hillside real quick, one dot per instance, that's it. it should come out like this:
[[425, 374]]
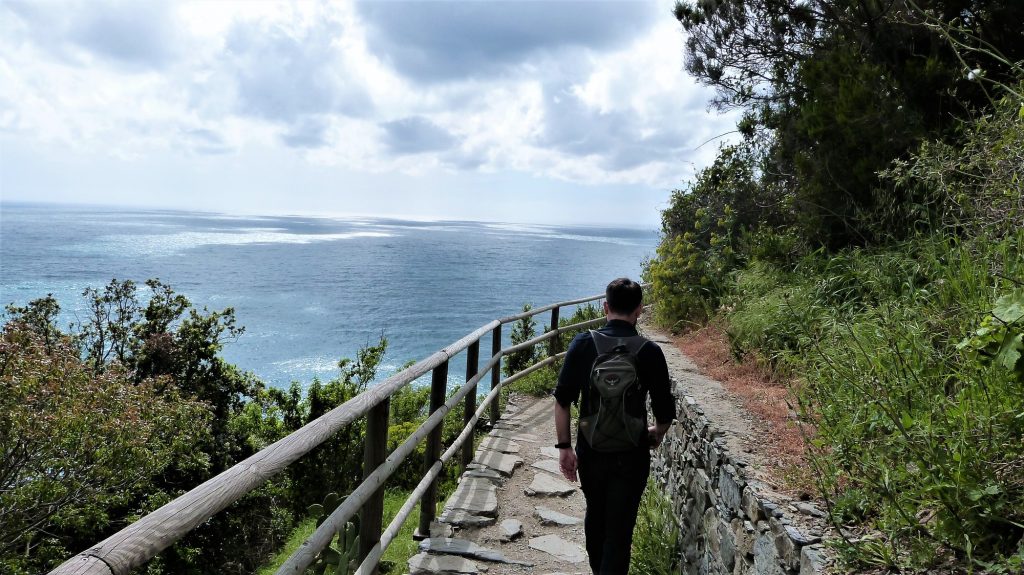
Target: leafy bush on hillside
[[55, 475], [163, 412], [887, 274]]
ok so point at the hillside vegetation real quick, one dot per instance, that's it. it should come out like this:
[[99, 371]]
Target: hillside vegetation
[[104, 421], [863, 237]]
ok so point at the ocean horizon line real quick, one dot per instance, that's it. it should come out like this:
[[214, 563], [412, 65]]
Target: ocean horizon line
[[327, 215]]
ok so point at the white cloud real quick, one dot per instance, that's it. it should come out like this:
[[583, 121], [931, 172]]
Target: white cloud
[[584, 96]]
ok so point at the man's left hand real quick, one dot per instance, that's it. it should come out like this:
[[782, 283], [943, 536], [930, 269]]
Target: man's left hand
[[654, 438], [567, 463]]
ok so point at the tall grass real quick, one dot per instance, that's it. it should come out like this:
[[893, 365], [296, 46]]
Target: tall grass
[[912, 437], [656, 538], [395, 557]]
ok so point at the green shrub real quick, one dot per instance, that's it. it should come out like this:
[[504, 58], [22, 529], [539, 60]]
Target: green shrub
[[656, 537], [920, 439], [523, 330], [767, 310]]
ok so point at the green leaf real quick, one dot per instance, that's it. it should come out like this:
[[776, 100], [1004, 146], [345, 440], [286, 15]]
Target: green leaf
[[330, 556], [316, 510], [1010, 350], [1009, 308], [906, 420]]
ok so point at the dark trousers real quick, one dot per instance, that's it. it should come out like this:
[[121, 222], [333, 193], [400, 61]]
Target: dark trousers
[[613, 484]]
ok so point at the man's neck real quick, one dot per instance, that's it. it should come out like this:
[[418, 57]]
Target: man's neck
[[615, 316]]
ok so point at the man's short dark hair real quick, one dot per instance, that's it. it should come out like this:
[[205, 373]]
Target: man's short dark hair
[[624, 295]]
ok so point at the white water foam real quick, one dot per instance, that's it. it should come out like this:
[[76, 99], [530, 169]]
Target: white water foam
[[165, 244]]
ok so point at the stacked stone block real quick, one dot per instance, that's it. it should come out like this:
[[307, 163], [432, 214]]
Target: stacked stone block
[[727, 527]]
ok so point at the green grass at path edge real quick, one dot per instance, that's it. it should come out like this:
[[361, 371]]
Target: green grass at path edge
[[397, 554], [656, 536]]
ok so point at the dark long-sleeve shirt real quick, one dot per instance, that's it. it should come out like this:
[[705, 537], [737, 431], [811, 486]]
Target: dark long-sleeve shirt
[[652, 372]]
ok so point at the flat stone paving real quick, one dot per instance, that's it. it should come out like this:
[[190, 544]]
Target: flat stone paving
[[513, 512]]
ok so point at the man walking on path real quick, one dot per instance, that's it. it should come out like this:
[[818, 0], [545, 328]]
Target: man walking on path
[[612, 473]]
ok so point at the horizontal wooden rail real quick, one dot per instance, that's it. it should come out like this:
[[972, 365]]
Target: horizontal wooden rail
[[552, 333], [371, 560], [142, 540], [389, 534], [321, 538], [539, 310]]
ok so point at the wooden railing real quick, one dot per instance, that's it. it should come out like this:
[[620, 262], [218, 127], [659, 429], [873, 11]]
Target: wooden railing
[[142, 540]]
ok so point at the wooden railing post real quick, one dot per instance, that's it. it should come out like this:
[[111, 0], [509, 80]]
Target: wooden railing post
[[555, 343], [472, 367], [428, 505], [375, 450], [496, 373]]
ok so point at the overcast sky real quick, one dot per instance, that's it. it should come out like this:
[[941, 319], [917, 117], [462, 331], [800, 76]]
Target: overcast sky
[[547, 112]]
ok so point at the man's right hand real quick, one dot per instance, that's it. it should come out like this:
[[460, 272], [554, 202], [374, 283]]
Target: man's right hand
[[567, 463]]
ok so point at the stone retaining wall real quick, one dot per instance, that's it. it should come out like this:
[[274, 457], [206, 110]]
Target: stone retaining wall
[[727, 524]]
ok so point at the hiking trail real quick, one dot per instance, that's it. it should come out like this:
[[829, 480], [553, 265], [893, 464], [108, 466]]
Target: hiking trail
[[513, 512]]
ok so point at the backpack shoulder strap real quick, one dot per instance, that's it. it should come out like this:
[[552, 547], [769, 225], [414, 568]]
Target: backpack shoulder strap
[[605, 343]]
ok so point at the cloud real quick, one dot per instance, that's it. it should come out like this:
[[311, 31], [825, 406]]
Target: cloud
[[285, 71], [307, 132], [583, 94], [206, 142], [137, 36], [414, 135], [445, 40]]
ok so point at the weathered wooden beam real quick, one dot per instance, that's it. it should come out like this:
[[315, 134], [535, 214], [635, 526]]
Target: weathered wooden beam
[[321, 538], [140, 541], [555, 343], [375, 450], [472, 366], [550, 334], [545, 362], [143, 539], [496, 372], [549, 307], [438, 387], [465, 437]]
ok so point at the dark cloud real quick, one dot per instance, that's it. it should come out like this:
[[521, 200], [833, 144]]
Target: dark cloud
[[134, 35], [308, 132], [284, 77], [416, 134], [436, 41]]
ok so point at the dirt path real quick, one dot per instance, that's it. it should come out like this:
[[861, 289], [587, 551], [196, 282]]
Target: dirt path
[[518, 466], [740, 429], [492, 522]]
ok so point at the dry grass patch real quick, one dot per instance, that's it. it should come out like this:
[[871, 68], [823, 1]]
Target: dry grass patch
[[764, 396]]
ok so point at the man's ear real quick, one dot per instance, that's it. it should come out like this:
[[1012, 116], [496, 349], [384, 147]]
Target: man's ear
[[607, 310]]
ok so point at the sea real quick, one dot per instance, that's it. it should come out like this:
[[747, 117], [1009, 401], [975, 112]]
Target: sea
[[312, 290]]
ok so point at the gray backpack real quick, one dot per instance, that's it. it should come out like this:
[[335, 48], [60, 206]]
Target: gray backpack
[[615, 401]]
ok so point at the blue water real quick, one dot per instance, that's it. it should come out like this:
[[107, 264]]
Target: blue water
[[312, 290]]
